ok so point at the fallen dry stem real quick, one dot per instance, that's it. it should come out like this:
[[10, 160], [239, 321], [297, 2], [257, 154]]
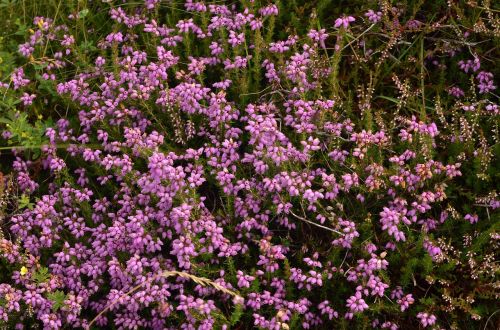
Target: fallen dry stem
[[199, 280]]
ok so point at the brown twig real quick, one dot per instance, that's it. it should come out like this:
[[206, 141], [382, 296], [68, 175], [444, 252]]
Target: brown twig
[[199, 280]]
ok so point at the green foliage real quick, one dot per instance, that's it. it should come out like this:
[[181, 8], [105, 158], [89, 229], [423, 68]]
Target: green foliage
[[25, 135], [83, 13], [24, 202], [41, 275], [236, 314], [57, 298]]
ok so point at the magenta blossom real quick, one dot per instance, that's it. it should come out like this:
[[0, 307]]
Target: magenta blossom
[[344, 21], [356, 303], [426, 319]]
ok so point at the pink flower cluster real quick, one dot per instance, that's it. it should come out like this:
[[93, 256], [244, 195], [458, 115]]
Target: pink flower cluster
[[170, 167]]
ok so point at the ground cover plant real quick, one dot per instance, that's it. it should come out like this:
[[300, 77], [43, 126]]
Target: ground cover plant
[[249, 164]]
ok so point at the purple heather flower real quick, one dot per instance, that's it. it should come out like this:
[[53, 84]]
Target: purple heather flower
[[18, 78], [344, 21], [472, 218], [270, 10], [27, 99], [356, 303], [373, 16], [485, 83], [426, 319], [456, 92]]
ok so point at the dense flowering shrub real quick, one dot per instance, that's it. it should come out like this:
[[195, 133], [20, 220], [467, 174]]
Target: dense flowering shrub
[[204, 169]]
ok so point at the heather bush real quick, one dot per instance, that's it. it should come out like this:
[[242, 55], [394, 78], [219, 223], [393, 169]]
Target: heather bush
[[251, 164]]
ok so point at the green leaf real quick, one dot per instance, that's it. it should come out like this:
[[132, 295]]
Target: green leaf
[[87, 46], [6, 3], [237, 313], [389, 99], [7, 62], [40, 66], [83, 13], [41, 275], [21, 28], [24, 202], [57, 297]]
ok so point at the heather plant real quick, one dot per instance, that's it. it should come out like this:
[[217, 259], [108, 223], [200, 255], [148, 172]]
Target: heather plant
[[252, 164]]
